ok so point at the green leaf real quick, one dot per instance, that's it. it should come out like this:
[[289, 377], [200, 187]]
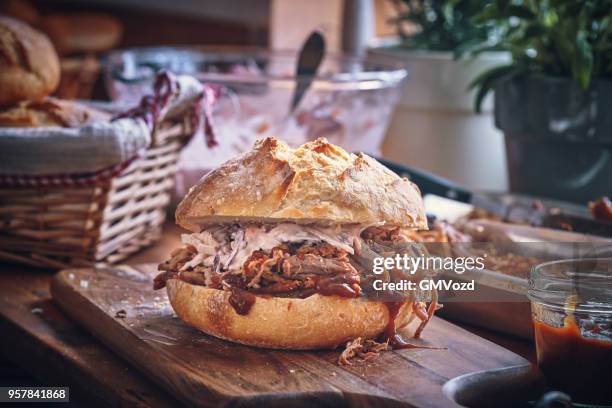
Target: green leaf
[[476, 48], [582, 65], [490, 12], [487, 80]]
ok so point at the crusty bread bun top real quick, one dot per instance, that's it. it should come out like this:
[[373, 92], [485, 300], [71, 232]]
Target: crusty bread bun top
[[317, 182], [29, 66]]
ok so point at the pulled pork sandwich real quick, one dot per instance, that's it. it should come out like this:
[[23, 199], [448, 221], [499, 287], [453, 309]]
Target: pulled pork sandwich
[[275, 257]]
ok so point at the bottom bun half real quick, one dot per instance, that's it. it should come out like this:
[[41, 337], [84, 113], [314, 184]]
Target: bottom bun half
[[316, 322]]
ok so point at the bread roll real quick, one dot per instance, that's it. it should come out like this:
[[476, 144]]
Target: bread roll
[[82, 32], [51, 112], [29, 66], [22, 10], [317, 182], [316, 322]]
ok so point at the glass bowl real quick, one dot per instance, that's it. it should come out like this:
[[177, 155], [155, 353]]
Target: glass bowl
[[350, 102]]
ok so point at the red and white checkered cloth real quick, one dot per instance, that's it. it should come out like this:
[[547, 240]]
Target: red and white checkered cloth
[[64, 180]]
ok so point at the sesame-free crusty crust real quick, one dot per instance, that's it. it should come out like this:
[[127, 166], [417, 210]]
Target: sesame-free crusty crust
[[317, 182]]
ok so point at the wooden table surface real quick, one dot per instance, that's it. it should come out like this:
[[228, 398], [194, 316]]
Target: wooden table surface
[[42, 341]]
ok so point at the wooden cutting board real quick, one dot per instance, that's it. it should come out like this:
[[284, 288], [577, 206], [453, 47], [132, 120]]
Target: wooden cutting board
[[119, 307]]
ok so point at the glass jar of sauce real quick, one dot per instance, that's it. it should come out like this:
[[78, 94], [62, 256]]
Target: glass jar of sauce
[[571, 304]]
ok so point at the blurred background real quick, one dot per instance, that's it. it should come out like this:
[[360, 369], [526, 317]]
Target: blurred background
[[395, 81]]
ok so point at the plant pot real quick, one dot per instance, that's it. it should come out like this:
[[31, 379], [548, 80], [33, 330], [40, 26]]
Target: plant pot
[[434, 126], [558, 137]]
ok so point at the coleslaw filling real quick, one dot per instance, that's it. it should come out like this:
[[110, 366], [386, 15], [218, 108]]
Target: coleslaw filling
[[228, 247]]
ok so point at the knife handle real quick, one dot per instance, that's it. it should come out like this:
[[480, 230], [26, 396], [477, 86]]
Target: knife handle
[[578, 224], [429, 183]]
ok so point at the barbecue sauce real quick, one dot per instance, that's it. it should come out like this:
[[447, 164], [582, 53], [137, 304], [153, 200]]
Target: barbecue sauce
[[338, 289], [344, 285], [574, 364], [241, 300]]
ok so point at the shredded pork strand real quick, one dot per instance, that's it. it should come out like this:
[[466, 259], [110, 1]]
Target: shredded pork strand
[[426, 316], [361, 350], [382, 234], [440, 231]]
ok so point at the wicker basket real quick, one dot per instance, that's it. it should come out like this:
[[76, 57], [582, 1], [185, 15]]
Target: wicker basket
[[77, 226]]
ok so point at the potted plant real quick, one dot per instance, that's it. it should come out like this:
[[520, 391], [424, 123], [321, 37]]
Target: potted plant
[[434, 126], [552, 99]]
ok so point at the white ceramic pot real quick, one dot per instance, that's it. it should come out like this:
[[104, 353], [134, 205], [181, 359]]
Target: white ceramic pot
[[435, 127]]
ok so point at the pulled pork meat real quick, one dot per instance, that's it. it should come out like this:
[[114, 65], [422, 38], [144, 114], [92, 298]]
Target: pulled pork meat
[[290, 260], [440, 232], [361, 350], [286, 259], [385, 235], [279, 259], [286, 270]]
